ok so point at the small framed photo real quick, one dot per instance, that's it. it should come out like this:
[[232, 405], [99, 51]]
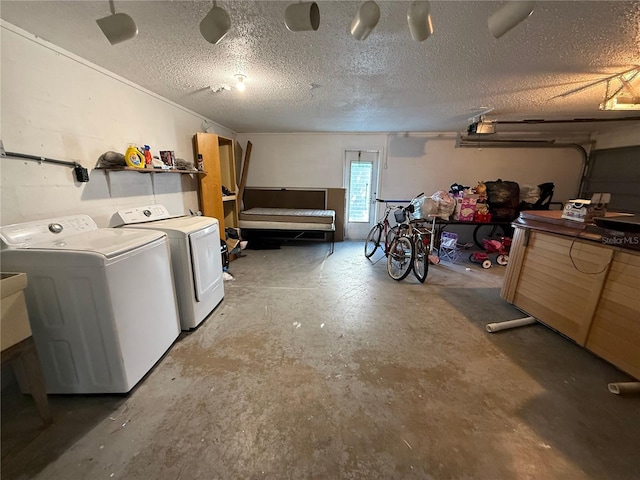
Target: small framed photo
[[168, 158]]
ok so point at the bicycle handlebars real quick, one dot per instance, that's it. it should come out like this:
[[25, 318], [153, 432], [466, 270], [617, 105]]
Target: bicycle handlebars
[[400, 201]]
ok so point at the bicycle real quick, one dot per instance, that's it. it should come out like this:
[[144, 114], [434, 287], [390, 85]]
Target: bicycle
[[412, 247], [422, 238], [372, 242]]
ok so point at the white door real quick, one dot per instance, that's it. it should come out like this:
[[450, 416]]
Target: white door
[[361, 179]]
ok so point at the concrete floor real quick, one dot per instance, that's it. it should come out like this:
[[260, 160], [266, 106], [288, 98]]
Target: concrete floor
[[323, 367]]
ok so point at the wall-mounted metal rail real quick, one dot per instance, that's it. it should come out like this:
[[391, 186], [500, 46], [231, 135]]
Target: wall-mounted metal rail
[[81, 173]]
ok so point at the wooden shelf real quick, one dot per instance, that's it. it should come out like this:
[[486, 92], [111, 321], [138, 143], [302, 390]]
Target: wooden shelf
[[146, 170], [218, 159], [151, 171]]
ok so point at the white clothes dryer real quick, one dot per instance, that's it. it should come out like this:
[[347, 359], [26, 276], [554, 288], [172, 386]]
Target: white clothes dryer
[[101, 302], [195, 257]]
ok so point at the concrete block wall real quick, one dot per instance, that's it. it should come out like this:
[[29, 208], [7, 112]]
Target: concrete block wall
[[57, 105]]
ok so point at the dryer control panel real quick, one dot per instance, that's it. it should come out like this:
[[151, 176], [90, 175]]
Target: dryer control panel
[[29, 233], [142, 214]]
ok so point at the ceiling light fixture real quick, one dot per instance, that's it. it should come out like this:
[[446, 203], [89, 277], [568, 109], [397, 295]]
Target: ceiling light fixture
[[623, 96], [215, 25], [117, 27], [220, 88], [622, 102], [482, 127], [240, 85], [509, 16], [419, 19], [300, 17], [366, 19]]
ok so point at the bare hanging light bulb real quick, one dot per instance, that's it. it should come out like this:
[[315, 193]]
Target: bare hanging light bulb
[[117, 27], [240, 85], [509, 16], [366, 19], [215, 25], [419, 19]]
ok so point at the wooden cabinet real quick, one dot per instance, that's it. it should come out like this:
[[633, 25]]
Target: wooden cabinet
[[585, 289], [615, 331], [219, 164], [551, 289]]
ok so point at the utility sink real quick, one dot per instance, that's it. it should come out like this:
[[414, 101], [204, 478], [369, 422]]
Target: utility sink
[[14, 322]]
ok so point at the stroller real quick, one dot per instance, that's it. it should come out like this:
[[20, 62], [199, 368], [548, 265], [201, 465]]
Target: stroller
[[501, 247]]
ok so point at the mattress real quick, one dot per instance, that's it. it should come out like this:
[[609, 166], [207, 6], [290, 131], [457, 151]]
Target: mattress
[[288, 219]]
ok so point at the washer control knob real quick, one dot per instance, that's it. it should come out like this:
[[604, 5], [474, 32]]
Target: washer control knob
[[147, 212]]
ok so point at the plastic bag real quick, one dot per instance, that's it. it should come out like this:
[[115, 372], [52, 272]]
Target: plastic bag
[[423, 207], [429, 207], [529, 193], [545, 194], [417, 204], [445, 203]]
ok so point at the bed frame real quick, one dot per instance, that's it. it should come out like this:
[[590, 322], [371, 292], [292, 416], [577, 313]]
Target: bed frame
[[295, 211]]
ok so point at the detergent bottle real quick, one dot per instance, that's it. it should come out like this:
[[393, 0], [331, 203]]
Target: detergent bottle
[[133, 157], [148, 159]]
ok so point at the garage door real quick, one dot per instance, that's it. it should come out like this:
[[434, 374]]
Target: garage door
[[617, 171]]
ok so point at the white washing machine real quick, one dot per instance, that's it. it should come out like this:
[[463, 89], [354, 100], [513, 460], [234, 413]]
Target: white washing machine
[[101, 302], [195, 257]]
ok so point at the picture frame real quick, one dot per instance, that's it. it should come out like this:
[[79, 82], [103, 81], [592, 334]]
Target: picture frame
[[168, 158]]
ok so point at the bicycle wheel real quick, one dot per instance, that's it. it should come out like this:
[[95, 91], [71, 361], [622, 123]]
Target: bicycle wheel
[[391, 236], [400, 258], [421, 257], [372, 242]]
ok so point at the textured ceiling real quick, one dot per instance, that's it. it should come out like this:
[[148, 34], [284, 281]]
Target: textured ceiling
[[329, 81]]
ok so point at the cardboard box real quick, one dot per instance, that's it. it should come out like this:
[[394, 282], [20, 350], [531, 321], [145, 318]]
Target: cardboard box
[[232, 243], [581, 210], [467, 209]]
